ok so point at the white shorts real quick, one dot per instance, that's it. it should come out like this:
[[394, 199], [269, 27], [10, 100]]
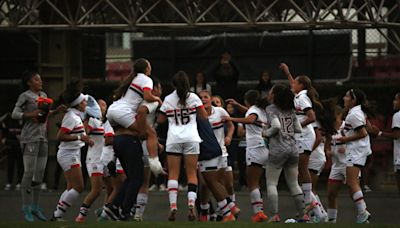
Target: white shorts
[[396, 168], [107, 155], [95, 169], [145, 154], [119, 170], [184, 148], [257, 155], [337, 175], [223, 162], [356, 156], [228, 169], [209, 165], [317, 160], [69, 158], [120, 114], [305, 141]]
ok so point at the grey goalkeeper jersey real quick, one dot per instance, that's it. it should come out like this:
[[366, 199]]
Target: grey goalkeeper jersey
[[31, 131], [283, 144]]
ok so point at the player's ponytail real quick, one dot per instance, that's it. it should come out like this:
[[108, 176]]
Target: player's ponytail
[[182, 86], [311, 93], [139, 66]]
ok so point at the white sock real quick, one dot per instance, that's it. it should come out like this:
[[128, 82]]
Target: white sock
[[256, 201], [64, 204], [141, 202], [172, 192], [192, 196], [232, 197], [358, 199], [316, 210], [224, 208], [63, 195], [306, 187], [332, 215]]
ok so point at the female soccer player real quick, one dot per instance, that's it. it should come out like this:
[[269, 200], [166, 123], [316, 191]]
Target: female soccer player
[[336, 150], [358, 148], [95, 129], [283, 152], [395, 135], [305, 101], [215, 115], [256, 150], [72, 136], [33, 141], [180, 108]]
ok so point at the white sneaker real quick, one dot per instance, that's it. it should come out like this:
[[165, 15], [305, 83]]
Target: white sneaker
[[162, 188], [7, 187], [363, 217], [43, 186], [18, 187], [153, 188]]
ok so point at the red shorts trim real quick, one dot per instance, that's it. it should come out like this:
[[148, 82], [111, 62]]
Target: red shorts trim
[[75, 166], [334, 181], [97, 174], [119, 171]]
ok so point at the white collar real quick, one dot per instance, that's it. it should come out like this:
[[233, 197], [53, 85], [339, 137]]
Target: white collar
[[304, 91]]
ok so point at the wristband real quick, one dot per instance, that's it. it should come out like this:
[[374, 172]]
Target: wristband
[[79, 137], [380, 133]]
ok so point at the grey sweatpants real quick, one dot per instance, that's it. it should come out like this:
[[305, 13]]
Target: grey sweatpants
[[35, 159]]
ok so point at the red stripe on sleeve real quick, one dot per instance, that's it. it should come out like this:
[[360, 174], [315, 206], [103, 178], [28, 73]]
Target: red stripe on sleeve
[[147, 88], [65, 130]]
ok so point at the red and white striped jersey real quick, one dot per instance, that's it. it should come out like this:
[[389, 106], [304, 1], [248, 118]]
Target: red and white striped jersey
[[97, 135], [302, 104], [134, 94], [254, 137], [181, 119], [355, 119], [217, 125], [72, 124]]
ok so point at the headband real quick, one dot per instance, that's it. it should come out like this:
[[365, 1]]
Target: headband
[[78, 100]]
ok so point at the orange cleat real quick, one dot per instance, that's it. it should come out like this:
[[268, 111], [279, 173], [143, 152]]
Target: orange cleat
[[229, 218], [259, 217]]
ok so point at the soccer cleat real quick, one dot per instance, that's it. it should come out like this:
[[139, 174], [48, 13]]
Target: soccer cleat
[[259, 217], [162, 188], [80, 218], [310, 206], [27, 213], [192, 212], [56, 219], [275, 218], [235, 211], [112, 211], [229, 218], [172, 212], [98, 212], [18, 187], [204, 218], [304, 219], [363, 217], [38, 213], [138, 218]]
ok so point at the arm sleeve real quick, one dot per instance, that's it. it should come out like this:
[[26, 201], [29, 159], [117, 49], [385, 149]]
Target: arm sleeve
[[274, 129], [305, 103], [147, 84], [356, 120], [197, 102], [223, 112], [18, 111], [67, 125], [108, 130], [396, 120]]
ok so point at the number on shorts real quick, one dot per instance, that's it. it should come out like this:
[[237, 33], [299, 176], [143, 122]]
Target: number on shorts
[[184, 116], [287, 123]]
